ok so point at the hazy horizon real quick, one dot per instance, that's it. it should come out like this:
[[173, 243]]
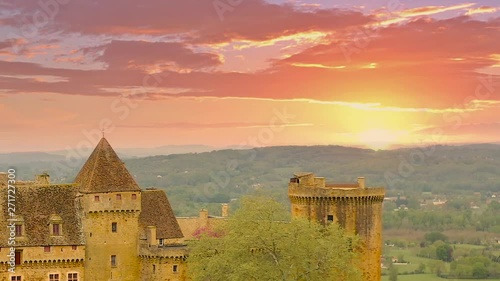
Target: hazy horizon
[[190, 148]]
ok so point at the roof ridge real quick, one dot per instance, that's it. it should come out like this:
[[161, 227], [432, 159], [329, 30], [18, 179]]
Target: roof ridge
[[95, 163]]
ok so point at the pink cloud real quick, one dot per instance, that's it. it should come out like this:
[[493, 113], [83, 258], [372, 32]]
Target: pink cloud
[[407, 64], [125, 54], [198, 20]]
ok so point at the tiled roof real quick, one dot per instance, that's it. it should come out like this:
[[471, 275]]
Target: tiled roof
[[156, 211], [36, 205], [105, 172]]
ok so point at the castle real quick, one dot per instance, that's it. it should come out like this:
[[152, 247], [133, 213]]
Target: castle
[[353, 206], [104, 227]]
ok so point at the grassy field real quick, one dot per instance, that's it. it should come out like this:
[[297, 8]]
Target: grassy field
[[429, 277], [409, 255]]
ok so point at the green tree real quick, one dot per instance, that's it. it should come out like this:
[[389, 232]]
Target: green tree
[[444, 252], [479, 270], [262, 243]]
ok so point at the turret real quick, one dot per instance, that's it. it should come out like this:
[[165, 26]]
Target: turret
[[353, 206]]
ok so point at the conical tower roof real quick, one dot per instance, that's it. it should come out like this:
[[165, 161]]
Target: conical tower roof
[[105, 172]]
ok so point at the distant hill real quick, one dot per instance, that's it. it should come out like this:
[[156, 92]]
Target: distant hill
[[196, 179], [27, 157], [23, 157]]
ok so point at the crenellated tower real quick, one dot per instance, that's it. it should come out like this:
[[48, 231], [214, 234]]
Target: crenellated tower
[[353, 206], [110, 200]]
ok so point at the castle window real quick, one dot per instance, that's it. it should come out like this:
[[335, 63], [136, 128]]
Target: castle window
[[96, 198], [154, 268], [19, 226], [54, 277], [174, 268], [113, 260], [134, 196], [46, 249], [73, 247], [118, 197], [329, 218], [19, 230], [161, 242], [56, 229], [72, 276], [55, 225], [15, 278], [114, 227], [18, 257]]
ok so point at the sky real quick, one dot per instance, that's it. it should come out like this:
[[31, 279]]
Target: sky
[[374, 74]]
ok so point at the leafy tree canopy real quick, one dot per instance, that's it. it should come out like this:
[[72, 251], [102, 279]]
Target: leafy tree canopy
[[435, 236], [262, 243]]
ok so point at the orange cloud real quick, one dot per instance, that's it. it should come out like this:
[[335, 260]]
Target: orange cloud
[[481, 10], [432, 10], [318, 65]]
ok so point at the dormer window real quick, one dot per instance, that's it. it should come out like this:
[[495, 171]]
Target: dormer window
[[56, 229], [19, 226], [19, 230], [55, 225]]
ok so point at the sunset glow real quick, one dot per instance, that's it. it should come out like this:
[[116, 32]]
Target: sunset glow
[[379, 138], [259, 74]]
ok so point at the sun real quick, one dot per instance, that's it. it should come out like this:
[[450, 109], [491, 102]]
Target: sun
[[379, 138]]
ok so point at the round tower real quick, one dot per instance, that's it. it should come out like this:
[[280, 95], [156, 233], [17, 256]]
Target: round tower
[[353, 206]]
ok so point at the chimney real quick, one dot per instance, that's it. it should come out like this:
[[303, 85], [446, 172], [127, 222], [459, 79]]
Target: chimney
[[361, 182], [151, 236], [203, 218], [319, 182], [225, 210]]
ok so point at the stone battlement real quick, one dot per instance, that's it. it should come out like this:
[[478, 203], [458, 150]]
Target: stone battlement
[[306, 185], [376, 193]]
